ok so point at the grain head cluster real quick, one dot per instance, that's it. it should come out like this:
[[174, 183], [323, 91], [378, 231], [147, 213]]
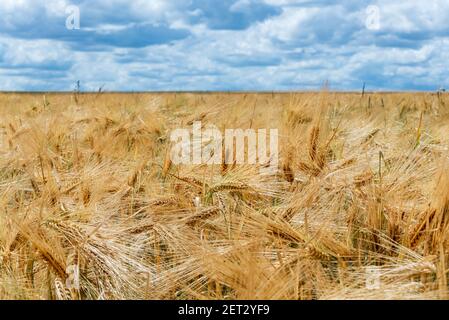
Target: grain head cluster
[[359, 208]]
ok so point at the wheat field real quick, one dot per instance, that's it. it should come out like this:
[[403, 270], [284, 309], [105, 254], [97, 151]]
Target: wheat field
[[358, 210]]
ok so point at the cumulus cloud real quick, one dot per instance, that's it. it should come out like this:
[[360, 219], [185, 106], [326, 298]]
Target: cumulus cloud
[[224, 45], [230, 14]]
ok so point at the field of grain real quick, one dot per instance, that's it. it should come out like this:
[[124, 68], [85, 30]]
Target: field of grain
[[358, 210]]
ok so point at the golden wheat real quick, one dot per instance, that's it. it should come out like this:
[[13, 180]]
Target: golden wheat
[[89, 182]]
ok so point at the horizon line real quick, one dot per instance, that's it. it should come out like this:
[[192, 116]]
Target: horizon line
[[216, 91]]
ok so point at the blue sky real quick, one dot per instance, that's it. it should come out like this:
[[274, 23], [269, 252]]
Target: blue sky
[[224, 45]]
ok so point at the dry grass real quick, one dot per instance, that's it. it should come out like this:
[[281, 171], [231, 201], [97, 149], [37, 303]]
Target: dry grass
[[363, 183]]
